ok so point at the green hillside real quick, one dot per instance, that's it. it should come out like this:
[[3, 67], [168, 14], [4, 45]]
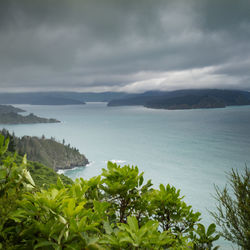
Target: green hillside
[[42, 175], [49, 152]]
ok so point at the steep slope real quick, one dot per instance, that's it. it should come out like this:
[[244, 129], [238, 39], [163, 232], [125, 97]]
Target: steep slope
[[50, 152]]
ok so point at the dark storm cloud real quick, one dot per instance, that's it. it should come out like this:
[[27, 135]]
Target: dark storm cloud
[[124, 45]]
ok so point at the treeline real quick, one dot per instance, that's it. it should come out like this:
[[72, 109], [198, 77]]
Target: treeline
[[49, 152]]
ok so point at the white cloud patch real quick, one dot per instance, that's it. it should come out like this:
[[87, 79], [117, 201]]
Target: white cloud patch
[[185, 79]]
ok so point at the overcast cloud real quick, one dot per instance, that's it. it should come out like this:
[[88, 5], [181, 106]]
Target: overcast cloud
[[124, 45]]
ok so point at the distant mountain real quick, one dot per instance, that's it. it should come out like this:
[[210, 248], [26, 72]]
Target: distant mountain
[[38, 98], [93, 97], [137, 99], [187, 99], [179, 99], [9, 115], [59, 98]]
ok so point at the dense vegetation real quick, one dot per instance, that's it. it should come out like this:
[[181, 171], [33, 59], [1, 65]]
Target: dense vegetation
[[9, 115], [115, 210], [46, 151], [42, 175]]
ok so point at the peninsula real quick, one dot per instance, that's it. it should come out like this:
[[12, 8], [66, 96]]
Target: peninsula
[[9, 115]]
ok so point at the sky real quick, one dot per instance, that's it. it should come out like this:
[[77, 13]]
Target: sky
[[124, 45]]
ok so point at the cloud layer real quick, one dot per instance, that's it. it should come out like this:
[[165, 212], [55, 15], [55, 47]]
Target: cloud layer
[[121, 45]]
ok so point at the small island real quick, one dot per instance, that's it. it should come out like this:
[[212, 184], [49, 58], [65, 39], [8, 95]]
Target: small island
[[9, 115]]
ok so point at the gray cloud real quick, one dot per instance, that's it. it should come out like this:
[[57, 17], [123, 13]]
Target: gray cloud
[[124, 45]]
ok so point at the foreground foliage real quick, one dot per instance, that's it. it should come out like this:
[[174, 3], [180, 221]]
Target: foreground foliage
[[233, 209], [115, 210]]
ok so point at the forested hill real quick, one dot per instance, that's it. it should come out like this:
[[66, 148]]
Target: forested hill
[[9, 115], [46, 151], [187, 99]]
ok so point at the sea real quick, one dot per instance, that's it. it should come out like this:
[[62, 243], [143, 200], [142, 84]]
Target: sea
[[193, 150]]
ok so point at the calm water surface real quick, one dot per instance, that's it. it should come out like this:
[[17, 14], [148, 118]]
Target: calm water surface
[[191, 149]]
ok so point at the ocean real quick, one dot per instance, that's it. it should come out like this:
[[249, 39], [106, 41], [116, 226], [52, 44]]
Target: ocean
[[190, 149]]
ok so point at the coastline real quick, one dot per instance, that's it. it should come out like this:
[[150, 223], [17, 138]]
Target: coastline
[[62, 170]]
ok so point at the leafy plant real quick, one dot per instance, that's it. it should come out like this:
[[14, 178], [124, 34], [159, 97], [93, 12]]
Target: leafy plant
[[233, 209], [172, 213], [204, 239], [112, 211], [131, 236], [123, 188]]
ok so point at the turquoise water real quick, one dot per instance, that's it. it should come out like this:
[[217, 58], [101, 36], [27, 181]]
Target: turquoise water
[[191, 149]]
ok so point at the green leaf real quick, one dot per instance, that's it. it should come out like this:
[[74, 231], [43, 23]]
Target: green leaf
[[133, 223], [162, 188], [45, 243], [28, 177], [215, 248], [25, 159], [62, 219], [108, 229], [211, 229], [141, 180], [59, 183]]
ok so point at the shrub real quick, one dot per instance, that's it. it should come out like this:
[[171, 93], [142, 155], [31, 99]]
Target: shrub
[[112, 211], [233, 209]]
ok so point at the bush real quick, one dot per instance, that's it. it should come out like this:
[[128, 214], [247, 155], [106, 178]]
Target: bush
[[112, 211], [233, 210]]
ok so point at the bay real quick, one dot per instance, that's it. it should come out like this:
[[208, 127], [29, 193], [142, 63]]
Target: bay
[[190, 149]]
